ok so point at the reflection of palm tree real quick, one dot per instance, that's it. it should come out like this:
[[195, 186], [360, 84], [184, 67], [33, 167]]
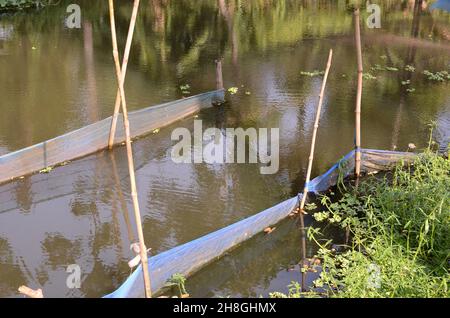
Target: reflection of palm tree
[[407, 76], [160, 25], [59, 250], [92, 105], [224, 10], [11, 274], [160, 17]]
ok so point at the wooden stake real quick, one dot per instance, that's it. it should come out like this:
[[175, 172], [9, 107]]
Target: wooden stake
[[126, 55], [137, 214], [313, 142], [308, 173], [219, 75], [358, 96]]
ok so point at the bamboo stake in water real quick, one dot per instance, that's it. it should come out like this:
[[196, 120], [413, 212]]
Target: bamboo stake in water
[[126, 55], [313, 142], [308, 173], [137, 214], [358, 96]]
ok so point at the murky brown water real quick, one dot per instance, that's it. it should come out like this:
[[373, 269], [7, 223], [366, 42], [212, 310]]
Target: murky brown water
[[53, 80]]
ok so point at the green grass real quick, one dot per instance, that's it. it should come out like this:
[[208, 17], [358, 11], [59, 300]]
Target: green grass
[[399, 227]]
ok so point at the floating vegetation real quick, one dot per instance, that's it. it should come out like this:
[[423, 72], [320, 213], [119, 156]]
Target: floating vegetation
[[46, 170], [185, 89], [441, 76], [410, 68], [379, 67], [410, 90], [407, 82], [313, 73], [233, 90], [178, 281], [24, 4], [391, 69], [368, 76]]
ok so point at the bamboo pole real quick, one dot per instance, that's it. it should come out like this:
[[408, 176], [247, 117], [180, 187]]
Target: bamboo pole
[[137, 214], [358, 96], [313, 142], [308, 173], [126, 55]]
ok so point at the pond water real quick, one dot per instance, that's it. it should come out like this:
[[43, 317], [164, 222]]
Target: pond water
[[54, 80]]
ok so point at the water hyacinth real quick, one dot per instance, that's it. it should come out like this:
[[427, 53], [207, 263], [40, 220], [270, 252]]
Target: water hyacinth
[[233, 90], [368, 76], [441, 76], [313, 73]]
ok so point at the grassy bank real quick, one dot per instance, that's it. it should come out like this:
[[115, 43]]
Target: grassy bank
[[399, 226]]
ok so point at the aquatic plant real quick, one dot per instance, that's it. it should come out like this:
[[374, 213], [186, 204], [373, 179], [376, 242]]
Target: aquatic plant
[[377, 67], [407, 82], [410, 68], [179, 281], [368, 76], [21, 4], [233, 90], [441, 76], [46, 170], [313, 73], [185, 89], [400, 228], [391, 69]]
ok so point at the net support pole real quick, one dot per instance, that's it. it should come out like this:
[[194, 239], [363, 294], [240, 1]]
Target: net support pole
[[358, 95], [137, 214], [126, 55], [316, 127], [308, 173]]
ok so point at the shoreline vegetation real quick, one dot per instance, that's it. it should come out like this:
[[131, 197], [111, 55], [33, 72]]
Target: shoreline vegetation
[[15, 5], [399, 226]]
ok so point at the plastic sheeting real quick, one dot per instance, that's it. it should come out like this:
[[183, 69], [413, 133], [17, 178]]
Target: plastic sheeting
[[94, 137], [188, 258]]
